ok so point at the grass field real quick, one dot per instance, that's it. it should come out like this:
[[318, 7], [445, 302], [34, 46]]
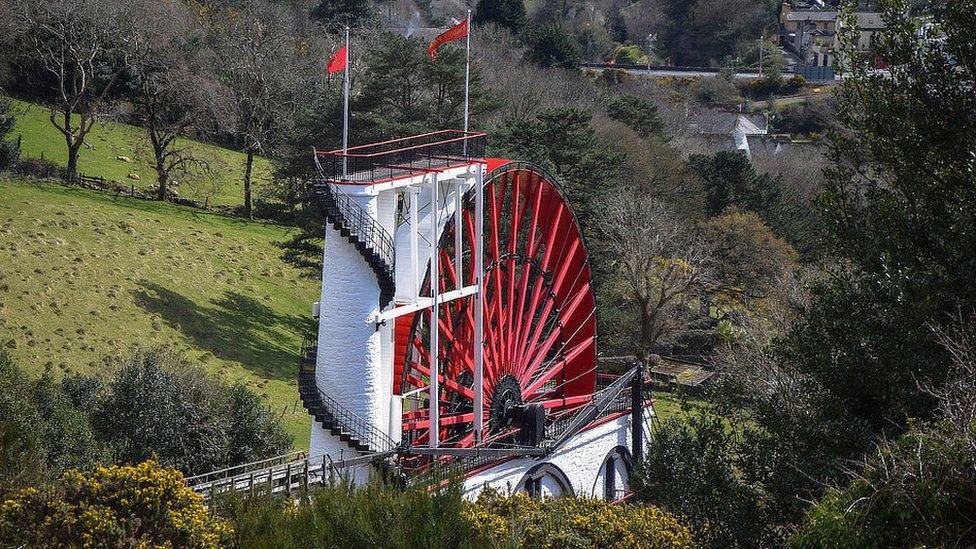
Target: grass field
[[87, 275], [108, 141]]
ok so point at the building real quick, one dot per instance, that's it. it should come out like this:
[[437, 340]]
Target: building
[[811, 32]]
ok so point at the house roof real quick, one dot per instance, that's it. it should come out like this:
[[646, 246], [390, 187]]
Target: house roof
[[812, 15]]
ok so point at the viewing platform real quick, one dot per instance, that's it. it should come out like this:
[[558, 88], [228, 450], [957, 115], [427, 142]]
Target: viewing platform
[[401, 158]]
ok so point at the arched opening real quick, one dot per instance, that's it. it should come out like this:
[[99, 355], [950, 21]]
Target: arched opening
[[546, 481], [613, 480]]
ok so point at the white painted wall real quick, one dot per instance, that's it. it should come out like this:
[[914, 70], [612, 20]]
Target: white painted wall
[[349, 359], [581, 460]]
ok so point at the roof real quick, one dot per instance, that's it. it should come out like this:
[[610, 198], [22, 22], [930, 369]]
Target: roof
[[812, 15]]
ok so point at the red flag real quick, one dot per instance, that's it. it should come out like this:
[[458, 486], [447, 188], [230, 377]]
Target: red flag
[[338, 61], [456, 32]]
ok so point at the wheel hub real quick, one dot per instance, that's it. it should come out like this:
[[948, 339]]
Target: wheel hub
[[506, 400]]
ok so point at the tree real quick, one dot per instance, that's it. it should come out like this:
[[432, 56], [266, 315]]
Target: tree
[[691, 469], [509, 14], [730, 180], [159, 404], [264, 61], [336, 14], [900, 211], [749, 258], [119, 506], [551, 45], [175, 93], [42, 429], [641, 115], [660, 265], [78, 45]]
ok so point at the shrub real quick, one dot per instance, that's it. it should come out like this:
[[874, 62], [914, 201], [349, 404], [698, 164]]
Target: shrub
[[40, 168], [129, 506], [159, 404], [630, 55], [692, 469], [715, 91], [343, 515], [518, 520]]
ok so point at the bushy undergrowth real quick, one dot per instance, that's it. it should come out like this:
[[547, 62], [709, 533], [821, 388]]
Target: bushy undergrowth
[[520, 521], [120, 506], [341, 515]]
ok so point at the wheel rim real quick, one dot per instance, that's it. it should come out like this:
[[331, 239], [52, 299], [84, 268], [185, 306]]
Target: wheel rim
[[539, 313]]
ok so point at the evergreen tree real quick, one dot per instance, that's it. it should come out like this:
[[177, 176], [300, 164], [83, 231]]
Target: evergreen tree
[[505, 13]]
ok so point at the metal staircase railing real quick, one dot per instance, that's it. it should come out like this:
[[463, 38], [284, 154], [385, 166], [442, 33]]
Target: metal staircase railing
[[372, 241], [612, 399], [340, 421]]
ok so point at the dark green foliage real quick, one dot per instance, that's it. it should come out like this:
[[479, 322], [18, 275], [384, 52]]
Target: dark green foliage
[[504, 13], [551, 45], [563, 140], [404, 92], [9, 151], [703, 32], [730, 180], [160, 406], [900, 212], [761, 88], [341, 515], [691, 469], [809, 118], [919, 491], [642, 116], [40, 428], [334, 15]]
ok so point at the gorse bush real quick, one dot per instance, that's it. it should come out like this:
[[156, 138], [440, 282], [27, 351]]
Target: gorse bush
[[564, 523], [128, 506]]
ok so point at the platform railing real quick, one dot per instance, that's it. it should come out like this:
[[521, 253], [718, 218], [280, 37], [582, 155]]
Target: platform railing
[[345, 419], [387, 160]]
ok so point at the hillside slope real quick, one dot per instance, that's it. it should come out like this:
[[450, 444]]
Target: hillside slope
[[86, 275], [108, 141]]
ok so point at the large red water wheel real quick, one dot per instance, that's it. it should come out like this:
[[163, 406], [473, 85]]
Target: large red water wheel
[[539, 316]]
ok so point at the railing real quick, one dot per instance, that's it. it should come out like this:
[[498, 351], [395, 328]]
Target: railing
[[388, 160], [238, 470], [345, 419], [284, 478], [612, 399], [358, 221]]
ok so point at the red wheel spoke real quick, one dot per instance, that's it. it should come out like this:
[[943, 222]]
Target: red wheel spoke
[[537, 317]]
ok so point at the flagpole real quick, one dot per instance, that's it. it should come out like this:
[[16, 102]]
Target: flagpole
[[345, 107], [467, 72]]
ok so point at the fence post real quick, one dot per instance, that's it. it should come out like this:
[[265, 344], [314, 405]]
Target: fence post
[[250, 484]]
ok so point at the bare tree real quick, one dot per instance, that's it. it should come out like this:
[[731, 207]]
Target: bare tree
[[79, 46], [264, 57], [661, 264], [176, 93]]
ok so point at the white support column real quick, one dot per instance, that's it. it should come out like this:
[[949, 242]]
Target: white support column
[[414, 246], [434, 415], [458, 232], [479, 302]]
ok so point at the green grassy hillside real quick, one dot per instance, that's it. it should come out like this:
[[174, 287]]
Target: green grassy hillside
[[86, 275], [108, 141]]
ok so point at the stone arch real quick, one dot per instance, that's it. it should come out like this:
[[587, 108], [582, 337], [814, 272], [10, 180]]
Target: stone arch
[[613, 478], [546, 480]]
